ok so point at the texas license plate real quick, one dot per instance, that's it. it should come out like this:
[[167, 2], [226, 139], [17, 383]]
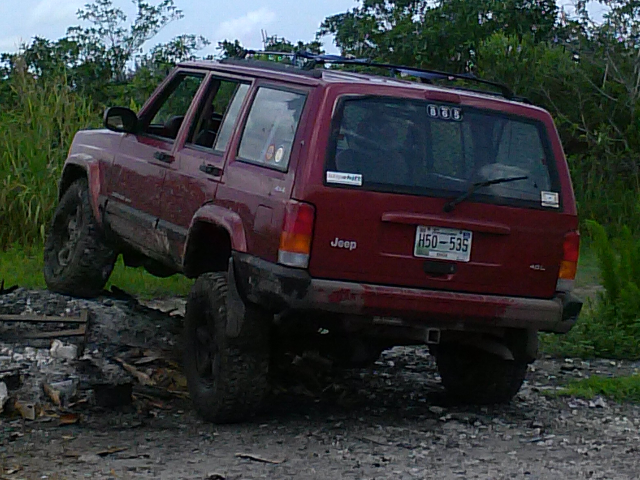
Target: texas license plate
[[443, 243]]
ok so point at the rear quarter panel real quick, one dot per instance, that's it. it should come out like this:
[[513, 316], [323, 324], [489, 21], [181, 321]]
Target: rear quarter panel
[[259, 194]]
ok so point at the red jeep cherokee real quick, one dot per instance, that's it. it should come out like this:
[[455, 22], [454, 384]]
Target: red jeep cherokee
[[339, 212]]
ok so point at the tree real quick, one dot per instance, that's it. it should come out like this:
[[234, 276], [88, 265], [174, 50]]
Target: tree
[[441, 34], [105, 59], [273, 43], [111, 39]]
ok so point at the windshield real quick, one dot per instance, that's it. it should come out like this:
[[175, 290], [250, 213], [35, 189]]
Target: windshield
[[424, 148]]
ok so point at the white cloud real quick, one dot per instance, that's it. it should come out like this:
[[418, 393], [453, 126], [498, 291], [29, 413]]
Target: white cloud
[[50, 12], [246, 26]]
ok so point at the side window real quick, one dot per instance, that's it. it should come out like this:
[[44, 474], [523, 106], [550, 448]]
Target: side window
[[230, 118], [215, 111], [169, 112], [271, 127]]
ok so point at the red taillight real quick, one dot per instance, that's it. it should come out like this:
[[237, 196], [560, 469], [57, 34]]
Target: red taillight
[[297, 231], [569, 265]]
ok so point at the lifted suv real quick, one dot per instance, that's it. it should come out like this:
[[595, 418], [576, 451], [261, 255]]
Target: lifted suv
[[325, 210]]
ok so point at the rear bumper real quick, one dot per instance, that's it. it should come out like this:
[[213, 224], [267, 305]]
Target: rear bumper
[[281, 289]]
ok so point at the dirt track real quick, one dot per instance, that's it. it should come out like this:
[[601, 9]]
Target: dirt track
[[390, 421]]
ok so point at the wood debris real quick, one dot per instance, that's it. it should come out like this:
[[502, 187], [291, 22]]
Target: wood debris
[[256, 458], [140, 376]]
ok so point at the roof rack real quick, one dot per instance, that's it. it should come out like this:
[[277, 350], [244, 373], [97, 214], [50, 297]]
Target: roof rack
[[425, 75]]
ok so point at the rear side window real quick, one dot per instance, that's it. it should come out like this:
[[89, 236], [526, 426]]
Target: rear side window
[[417, 147], [271, 127]]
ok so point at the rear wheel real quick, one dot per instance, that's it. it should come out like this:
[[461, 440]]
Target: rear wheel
[[227, 377], [473, 376], [77, 258]]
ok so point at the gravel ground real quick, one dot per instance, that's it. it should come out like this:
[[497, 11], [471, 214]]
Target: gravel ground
[[388, 421]]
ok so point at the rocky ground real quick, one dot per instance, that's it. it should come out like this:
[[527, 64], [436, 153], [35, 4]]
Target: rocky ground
[[121, 411]]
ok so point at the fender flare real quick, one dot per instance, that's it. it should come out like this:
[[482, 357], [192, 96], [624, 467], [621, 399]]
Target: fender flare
[[223, 218], [91, 168]]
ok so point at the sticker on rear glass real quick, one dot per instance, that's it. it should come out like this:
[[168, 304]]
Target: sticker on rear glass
[[279, 154], [345, 178], [269, 153], [443, 112], [550, 199]]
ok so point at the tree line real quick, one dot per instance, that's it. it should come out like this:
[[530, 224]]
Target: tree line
[[585, 72]]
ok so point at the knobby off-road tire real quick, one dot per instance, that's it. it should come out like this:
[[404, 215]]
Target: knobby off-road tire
[[77, 258], [227, 377], [473, 376]]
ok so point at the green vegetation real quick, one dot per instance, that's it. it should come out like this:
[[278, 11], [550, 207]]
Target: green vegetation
[[23, 267], [620, 389], [35, 135], [610, 326]]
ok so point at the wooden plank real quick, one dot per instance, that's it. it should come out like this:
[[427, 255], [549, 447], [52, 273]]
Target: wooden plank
[[44, 318], [57, 333]]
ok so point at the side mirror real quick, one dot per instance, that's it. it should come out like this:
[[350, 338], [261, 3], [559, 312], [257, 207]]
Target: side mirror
[[121, 119]]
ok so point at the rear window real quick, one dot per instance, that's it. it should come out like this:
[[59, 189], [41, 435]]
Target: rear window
[[424, 148]]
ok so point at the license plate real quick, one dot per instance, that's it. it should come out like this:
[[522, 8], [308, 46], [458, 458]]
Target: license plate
[[443, 243]]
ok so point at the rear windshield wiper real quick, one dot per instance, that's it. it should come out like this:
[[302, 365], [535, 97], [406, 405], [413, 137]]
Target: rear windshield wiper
[[449, 206]]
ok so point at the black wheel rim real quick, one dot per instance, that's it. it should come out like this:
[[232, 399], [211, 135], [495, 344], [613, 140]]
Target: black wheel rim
[[69, 237], [66, 232]]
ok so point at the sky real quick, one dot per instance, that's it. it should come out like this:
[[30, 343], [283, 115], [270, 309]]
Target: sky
[[216, 20]]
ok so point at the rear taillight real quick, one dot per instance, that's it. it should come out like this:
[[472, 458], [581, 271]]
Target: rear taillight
[[297, 231], [569, 264]]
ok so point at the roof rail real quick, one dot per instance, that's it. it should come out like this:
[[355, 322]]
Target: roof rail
[[425, 75]]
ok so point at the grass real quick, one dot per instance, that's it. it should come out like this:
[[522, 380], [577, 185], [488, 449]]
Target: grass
[[23, 267], [37, 124], [620, 389], [609, 325], [588, 272]]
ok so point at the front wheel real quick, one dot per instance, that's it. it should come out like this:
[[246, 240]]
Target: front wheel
[[77, 258], [474, 376], [227, 376]]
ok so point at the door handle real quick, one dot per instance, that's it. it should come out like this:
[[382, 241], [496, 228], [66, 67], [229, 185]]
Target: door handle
[[211, 170], [163, 157]]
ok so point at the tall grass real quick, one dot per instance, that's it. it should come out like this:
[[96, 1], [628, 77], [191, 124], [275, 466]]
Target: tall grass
[[607, 190], [36, 130]]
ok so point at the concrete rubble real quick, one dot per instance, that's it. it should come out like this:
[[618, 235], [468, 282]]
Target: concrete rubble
[[42, 375]]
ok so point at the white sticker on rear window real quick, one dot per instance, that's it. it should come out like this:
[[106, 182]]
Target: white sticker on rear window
[[550, 199], [443, 112], [345, 178]]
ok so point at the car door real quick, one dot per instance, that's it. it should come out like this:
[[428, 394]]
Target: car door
[[139, 168], [192, 179]]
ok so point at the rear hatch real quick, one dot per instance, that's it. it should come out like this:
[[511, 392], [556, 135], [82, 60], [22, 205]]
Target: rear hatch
[[384, 214]]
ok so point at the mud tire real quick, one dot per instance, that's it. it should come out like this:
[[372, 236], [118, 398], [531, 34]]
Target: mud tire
[[472, 376], [227, 377], [78, 260]]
